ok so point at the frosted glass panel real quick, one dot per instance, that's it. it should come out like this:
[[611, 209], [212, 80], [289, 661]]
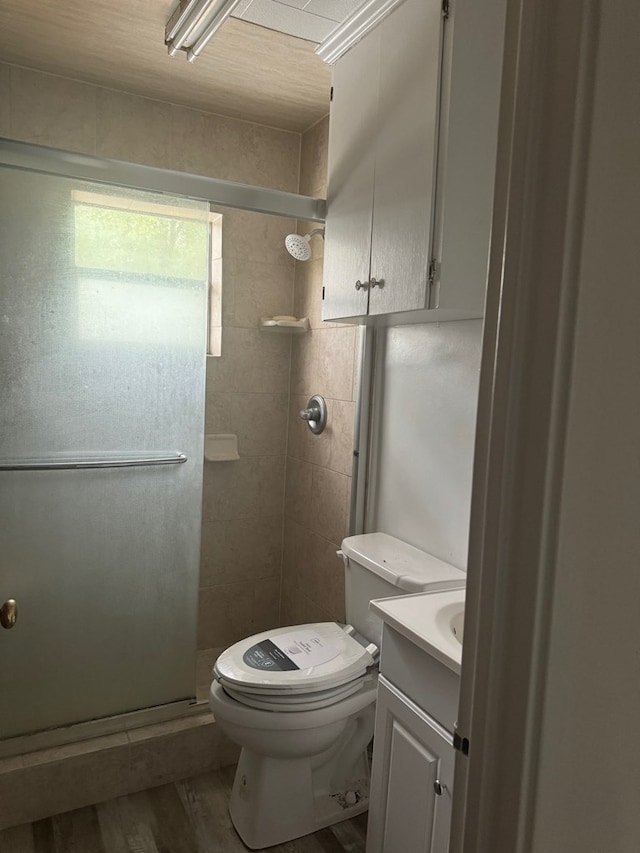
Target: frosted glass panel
[[102, 342]]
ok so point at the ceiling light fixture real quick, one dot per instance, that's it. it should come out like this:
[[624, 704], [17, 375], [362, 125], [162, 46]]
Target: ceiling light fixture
[[193, 23]]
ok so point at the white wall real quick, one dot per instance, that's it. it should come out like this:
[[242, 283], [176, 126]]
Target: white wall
[[426, 398]]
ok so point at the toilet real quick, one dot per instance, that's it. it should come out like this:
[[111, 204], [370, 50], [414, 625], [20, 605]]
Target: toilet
[[300, 700]]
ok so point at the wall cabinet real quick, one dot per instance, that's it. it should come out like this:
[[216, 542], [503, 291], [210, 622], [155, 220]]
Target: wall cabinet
[[382, 144], [412, 144]]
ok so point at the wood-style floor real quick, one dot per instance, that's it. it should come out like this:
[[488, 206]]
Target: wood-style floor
[[185, 817]]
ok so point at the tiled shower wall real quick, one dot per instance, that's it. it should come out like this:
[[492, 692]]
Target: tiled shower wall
[[318, 481], [248, 386]]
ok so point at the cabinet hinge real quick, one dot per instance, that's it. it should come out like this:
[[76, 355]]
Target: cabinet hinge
[[460, 743], [445, 8], [432, 271], [331, 95], [323, 292]]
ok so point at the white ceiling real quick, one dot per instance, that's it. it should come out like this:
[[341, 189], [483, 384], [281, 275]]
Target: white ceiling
[[312, 20], [246, 71]]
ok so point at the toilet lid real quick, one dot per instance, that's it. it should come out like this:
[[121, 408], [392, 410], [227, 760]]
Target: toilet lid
[[300, 659]]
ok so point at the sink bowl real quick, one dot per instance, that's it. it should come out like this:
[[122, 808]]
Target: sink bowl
[[457, 625], [432, 620]]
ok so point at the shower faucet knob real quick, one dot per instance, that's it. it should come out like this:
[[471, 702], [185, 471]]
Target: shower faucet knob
[[315, 414]]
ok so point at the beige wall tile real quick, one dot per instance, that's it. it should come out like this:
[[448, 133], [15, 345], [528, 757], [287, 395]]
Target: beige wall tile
[[304, 356], [206, 659], [134, 129], [257, 363], [212, 553], [333, 448], [313, 159], [329, 491], [293, 552], [53, 111], [255, 154], [249, 549], [259, 420], [298, 491], [51, 788], [82, 747], [335, 357], [175, 756], [266, 604], [326, 573], [252, 487], [257, 237], [191, 148], [226, 614], [5, 100], [252, 289]]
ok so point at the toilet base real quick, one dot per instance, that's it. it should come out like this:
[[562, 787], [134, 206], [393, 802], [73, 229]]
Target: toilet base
[[276, 800]]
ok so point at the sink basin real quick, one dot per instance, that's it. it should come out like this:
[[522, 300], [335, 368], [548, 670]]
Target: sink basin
[[457, 625], [432, 620]]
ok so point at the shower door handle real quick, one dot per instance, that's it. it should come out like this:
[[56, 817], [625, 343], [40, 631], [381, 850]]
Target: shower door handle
[[9, 613]]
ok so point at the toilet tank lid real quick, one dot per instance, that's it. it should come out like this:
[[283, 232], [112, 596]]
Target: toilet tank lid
[[400, 564]]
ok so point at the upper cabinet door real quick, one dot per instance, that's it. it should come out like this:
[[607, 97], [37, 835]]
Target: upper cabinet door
[[406, 139], [352, 134]]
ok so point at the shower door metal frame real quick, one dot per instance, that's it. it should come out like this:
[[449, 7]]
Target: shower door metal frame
[[51, 161]]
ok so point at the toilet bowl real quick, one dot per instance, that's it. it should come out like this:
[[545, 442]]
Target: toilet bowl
[[300, 700]]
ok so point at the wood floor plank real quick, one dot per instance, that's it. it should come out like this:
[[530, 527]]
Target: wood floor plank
[[206, 801], [18, 839], [128, 824], [185, 817], [173, 831], [43, 836], [77, 832]]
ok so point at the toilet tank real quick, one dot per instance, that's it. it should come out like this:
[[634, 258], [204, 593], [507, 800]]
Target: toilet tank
[[380, 566]]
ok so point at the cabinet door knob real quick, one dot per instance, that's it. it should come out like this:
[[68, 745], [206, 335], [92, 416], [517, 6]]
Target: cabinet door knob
[[439, 788], [376, 282], [362, 285], [9, 613]]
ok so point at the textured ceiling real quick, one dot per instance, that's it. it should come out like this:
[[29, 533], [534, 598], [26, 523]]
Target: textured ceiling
[[246, 71]]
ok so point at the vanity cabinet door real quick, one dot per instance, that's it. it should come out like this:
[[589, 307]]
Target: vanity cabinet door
[[412, 778], [352, 133]]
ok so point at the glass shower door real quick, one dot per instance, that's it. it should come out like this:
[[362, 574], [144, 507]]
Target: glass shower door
[[102, 347]]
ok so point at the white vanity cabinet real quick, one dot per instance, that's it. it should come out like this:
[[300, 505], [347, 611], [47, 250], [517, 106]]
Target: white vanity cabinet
[[413, 755], [412, 780], [412, 148]]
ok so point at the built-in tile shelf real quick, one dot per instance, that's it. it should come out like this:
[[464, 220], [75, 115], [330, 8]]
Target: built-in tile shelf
[[221, 447], [284, 324]]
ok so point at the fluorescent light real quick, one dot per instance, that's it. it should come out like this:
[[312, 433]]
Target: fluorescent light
[[193, 23]]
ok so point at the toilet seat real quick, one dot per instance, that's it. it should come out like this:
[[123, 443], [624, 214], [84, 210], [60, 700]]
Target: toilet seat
[[292, 703], [308, 664]]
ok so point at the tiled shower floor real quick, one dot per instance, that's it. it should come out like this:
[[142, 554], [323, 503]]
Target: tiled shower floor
[[185, 817]]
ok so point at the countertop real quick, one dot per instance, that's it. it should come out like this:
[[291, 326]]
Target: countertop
[[425, 619]]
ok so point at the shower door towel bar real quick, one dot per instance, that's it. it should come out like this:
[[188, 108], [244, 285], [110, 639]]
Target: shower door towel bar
[[90, 462]]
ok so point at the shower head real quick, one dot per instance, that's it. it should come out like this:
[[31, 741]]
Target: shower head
[[299, 247]]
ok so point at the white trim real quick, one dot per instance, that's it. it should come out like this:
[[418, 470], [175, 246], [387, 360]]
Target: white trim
[[533, 280], [354, 29]]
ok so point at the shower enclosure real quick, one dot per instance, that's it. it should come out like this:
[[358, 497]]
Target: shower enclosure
[[102, 346]]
